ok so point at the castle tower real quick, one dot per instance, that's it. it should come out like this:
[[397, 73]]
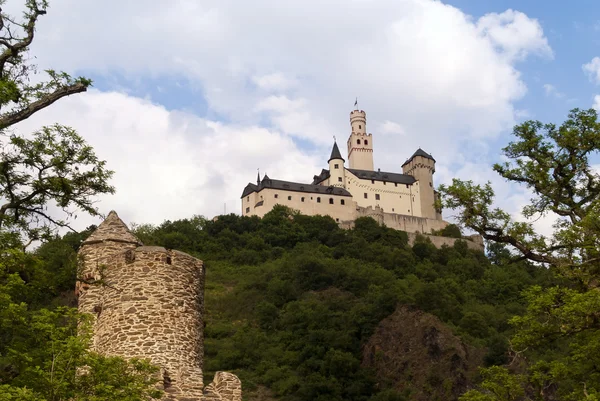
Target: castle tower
[[421, 165], [337, 173], [148, 302], [360, 144]]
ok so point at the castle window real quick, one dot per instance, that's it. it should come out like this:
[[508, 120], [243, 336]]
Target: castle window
[[331, 201], [302, 199], [395, 184], [366, 196], [377, 197], [343, 202], [430, 184], [318, 200], [337, 220], [358, 141], [372, 181], [289, 198], [248, 199], [384, 183], [360, 126], [247, 210], [366, 142], [168, 260], [276, 196], [339, 179], [336, 166], [392, 209], [406, 185]]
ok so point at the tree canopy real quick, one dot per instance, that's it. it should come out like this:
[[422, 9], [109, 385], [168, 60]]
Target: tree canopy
[[559, 335], [45, 178]]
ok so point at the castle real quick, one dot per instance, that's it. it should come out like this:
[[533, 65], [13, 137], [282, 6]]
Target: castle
[[148, 302], [404, 201]]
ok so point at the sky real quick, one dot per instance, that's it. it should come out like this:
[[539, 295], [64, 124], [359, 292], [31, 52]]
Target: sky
[[191, 97]]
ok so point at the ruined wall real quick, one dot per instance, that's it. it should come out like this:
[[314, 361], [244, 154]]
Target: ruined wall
[[149, 304]]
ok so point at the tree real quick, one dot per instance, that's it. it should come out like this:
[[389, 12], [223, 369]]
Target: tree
[[44, 351], [55, 165], [560, 332]]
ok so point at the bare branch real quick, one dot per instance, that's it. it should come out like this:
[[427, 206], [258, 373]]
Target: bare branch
[[34, 107]]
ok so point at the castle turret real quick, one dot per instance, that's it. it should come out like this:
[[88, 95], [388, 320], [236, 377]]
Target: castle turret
[[148, 302], [360, 144], [421, 165], [337, 176]]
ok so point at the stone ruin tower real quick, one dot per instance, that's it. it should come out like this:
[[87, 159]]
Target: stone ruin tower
[[148, 302]]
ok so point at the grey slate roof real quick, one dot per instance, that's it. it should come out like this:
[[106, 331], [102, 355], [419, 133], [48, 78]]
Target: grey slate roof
[[419, 152], [383, 176], [249, 189], [321, 177], [335, 153], [294, 186]]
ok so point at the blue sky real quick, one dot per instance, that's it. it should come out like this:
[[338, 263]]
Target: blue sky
[[192, 97], [573, 32]]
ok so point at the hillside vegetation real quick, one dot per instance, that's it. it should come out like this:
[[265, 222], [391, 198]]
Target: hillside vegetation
[[291, 300]]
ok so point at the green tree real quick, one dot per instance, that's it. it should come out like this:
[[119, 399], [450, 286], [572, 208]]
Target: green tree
[[560, 332], [44, 351], [54, 165]]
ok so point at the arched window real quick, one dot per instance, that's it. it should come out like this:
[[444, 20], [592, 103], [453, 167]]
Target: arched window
[[331, 201], [302, 199], [366, 142], [358, 141], [342, 202], [318, 200]]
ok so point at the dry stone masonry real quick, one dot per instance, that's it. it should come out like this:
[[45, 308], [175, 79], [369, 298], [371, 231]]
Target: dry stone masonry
[[148, 302]]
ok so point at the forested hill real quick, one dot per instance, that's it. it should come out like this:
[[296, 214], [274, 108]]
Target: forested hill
[[292, 301]]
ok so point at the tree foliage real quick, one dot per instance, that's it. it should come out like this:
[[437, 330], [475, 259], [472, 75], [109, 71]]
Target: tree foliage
[[54, 167], [45, 346], [291, 299], [560, 332]]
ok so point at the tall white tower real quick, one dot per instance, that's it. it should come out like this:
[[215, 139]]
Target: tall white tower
[[360, 144]]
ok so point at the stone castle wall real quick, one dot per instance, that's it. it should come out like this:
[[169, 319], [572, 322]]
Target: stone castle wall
[[474, 242], [411, 224], [148, 303], [414, 226]]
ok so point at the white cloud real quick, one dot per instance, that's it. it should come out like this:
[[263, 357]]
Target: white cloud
[[274, 82], [426, 73], [390, 127], [596, 104], [592, 69], [171, 165], [515, 34], [551, 91]]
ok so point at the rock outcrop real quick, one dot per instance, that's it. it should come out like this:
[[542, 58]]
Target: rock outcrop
[[413, 351]]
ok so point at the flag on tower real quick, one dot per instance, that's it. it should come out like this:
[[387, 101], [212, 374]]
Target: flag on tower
[[356, 102]]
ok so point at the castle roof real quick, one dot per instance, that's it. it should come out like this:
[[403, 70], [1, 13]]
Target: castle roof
[[419, 152], [335, 153], [383, 176], [321, 177], [295, 187], [113, 228]]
